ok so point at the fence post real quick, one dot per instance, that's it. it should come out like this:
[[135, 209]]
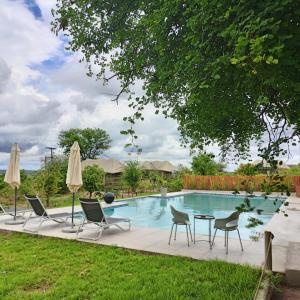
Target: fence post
[[268, 250]]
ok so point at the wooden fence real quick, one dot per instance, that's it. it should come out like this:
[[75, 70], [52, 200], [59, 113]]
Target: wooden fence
[[229, 183]]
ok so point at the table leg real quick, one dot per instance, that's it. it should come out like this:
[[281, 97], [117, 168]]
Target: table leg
[[209, 233], [194, 232]]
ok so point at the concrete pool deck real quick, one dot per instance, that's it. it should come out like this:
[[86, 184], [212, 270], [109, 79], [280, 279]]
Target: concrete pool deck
[[285, 230]]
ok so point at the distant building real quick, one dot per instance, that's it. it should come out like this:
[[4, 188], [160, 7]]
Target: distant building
[[165, 168], [113, 169], [264, 166]]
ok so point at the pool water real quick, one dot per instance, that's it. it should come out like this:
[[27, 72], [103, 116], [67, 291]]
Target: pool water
[[154, 212]]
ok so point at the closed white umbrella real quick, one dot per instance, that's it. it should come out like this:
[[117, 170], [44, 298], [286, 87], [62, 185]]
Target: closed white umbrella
[[12, 177], [74, 178]]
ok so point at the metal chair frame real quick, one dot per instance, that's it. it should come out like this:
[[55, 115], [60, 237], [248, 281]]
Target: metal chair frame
[[228, 224], [103, 223], [41, 216], [180, 218]]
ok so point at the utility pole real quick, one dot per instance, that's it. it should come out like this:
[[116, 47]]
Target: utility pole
[[51, 152]]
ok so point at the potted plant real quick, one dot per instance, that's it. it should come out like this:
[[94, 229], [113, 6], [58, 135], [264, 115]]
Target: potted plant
[[163, 187]]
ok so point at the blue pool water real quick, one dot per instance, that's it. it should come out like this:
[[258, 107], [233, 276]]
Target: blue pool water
[[152, 212]]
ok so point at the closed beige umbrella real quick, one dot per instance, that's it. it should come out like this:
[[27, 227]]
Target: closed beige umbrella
[[12, 177], [74, 178]]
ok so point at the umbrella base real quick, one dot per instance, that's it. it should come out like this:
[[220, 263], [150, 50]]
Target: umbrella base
[[70, 229], [15, 221]]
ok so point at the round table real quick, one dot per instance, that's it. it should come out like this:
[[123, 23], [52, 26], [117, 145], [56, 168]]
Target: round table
[[209, 218]]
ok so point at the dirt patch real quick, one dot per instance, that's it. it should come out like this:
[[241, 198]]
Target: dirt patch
[[41, 287], [6, 232], [286, 293]]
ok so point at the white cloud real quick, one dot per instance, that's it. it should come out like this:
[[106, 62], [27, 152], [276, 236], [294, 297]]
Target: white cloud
[[39, 99]]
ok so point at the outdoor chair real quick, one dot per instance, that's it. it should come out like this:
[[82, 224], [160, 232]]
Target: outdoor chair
[[40, 214], [180, 218], [4, 210], [228, 224], [94, 215]]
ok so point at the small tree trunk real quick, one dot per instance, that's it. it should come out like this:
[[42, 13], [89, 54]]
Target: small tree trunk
[[90, 195], [47, 201]]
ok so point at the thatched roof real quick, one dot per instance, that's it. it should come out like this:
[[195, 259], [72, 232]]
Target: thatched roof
[[266, 165], [114, 166], [110, 166], [157, 165]]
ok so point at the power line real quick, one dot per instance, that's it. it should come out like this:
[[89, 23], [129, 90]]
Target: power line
[[51, 152]]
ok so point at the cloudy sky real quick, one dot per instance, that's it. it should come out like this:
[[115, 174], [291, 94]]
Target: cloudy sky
[[43, 90]]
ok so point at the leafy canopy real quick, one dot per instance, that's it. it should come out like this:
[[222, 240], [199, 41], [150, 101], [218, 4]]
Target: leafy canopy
[[93, 179], [227, 71], [46, 182], [247, 169], [92, 141], [203, 164], [132, 175]]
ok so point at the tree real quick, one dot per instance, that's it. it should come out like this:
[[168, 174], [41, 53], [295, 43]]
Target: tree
[[92, 141], [247, 169], [26, 184], [228, 72], [93, 179], [203, 164], [46, 181], [60, 164], [132, 175], [292, 171]]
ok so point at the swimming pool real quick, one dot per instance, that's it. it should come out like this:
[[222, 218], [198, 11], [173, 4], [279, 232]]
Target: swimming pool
[[154, 212]]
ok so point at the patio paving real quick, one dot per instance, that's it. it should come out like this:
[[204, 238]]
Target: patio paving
[[285, 229]]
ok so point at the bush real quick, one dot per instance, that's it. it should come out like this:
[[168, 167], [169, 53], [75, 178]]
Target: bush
[[247, 169], [174, 184], [204, 164], [132, 175], [47, 181], [93, 179]]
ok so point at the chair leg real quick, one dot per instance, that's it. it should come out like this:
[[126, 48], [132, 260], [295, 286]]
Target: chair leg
[[213, 241], [171, 233], [187, 235], [175, 232], [26, 221], [80, 227], [227, 233], [240, 239], [98, 236], [191, 233], [39, 227]]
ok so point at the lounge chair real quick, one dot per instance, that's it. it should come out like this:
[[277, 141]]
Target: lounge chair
[[180, 218], [10, 211], [39, 212], [230, 223], [94, 215]]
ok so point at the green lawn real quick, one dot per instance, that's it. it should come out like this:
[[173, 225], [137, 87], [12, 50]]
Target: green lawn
[[33, 267], [66, 200], [63, 200]]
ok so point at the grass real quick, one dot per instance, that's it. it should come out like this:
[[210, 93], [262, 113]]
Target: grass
[[66, 200], [63, 200], [34, 267]]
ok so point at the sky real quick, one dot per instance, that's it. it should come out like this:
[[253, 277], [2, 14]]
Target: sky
[[44, 89]]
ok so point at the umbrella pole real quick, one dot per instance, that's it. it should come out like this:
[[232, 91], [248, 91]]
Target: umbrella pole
[[73, 203], [16, 195]]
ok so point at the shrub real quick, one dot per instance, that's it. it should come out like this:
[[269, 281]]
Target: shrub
[[93, 179], [247, 169], [132, 175], [204, 164]]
